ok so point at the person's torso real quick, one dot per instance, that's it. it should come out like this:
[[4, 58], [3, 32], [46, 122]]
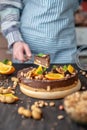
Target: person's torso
[[47, 22], [47, 17]]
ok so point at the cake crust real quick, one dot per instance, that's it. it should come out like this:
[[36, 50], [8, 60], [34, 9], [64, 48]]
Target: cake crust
[[43, 94]]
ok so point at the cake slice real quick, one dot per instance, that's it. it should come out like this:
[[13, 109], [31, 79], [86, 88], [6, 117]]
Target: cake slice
[[42, 59]]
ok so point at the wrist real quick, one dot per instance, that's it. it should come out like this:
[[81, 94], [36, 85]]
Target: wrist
[[13, 37]]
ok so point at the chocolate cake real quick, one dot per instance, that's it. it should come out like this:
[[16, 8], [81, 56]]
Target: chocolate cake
[[41, 83]]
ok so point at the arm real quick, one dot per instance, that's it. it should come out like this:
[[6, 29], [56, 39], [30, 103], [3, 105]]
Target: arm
[[10, 23], [10, 15]]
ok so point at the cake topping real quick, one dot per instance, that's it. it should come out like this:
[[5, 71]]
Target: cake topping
[[70, 69], [39, 70], [56, 73]]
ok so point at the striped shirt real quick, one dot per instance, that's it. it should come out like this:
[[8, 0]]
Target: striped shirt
[[46, 25]]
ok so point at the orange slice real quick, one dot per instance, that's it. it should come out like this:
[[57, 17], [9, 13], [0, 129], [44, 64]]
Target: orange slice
[[9, 62], [6, 69], [54, 76], [12, 70], [70, 68]]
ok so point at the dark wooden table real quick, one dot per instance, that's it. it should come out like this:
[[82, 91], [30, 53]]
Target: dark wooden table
[[10, 120]]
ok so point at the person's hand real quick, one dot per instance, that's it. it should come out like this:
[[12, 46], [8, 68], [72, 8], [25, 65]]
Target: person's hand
[[21, 51]]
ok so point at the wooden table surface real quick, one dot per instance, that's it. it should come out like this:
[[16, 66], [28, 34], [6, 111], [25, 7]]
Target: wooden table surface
[[11, 120]]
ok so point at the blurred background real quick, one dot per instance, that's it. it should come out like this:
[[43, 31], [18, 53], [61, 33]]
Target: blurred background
[[81, 31]]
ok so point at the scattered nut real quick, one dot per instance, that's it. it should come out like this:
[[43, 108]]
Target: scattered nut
[[14, 79], [51, 104], [27, 113], [60, 117], [14, 84], [4, 90], [83, 73], [41, 105], [2, 98], [8, 98], [36, 104], [35, 112], [20, 110], [38, 110], [83, 87], [36, 115], [24, 112], [46, 104], [61, 107], [33, 107]]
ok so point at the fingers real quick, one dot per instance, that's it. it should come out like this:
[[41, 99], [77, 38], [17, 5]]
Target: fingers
[[28, 54], [21, 51]]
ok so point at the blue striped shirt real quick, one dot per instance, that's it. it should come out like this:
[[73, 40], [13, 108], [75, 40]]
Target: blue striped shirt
[[46, 25]]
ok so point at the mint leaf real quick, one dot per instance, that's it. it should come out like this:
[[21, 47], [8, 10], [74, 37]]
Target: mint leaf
[[54, 66], [40, 72], [40, 54], [65, 67], [5, 61], [44, 69]]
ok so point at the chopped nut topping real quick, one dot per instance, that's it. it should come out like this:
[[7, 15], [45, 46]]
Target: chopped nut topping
[[22, 74]]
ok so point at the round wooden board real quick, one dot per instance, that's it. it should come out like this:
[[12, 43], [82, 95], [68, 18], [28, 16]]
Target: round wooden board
[[49, 95]]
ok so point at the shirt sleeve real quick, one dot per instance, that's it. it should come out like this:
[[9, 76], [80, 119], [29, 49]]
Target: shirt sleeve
[[10, 20]]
